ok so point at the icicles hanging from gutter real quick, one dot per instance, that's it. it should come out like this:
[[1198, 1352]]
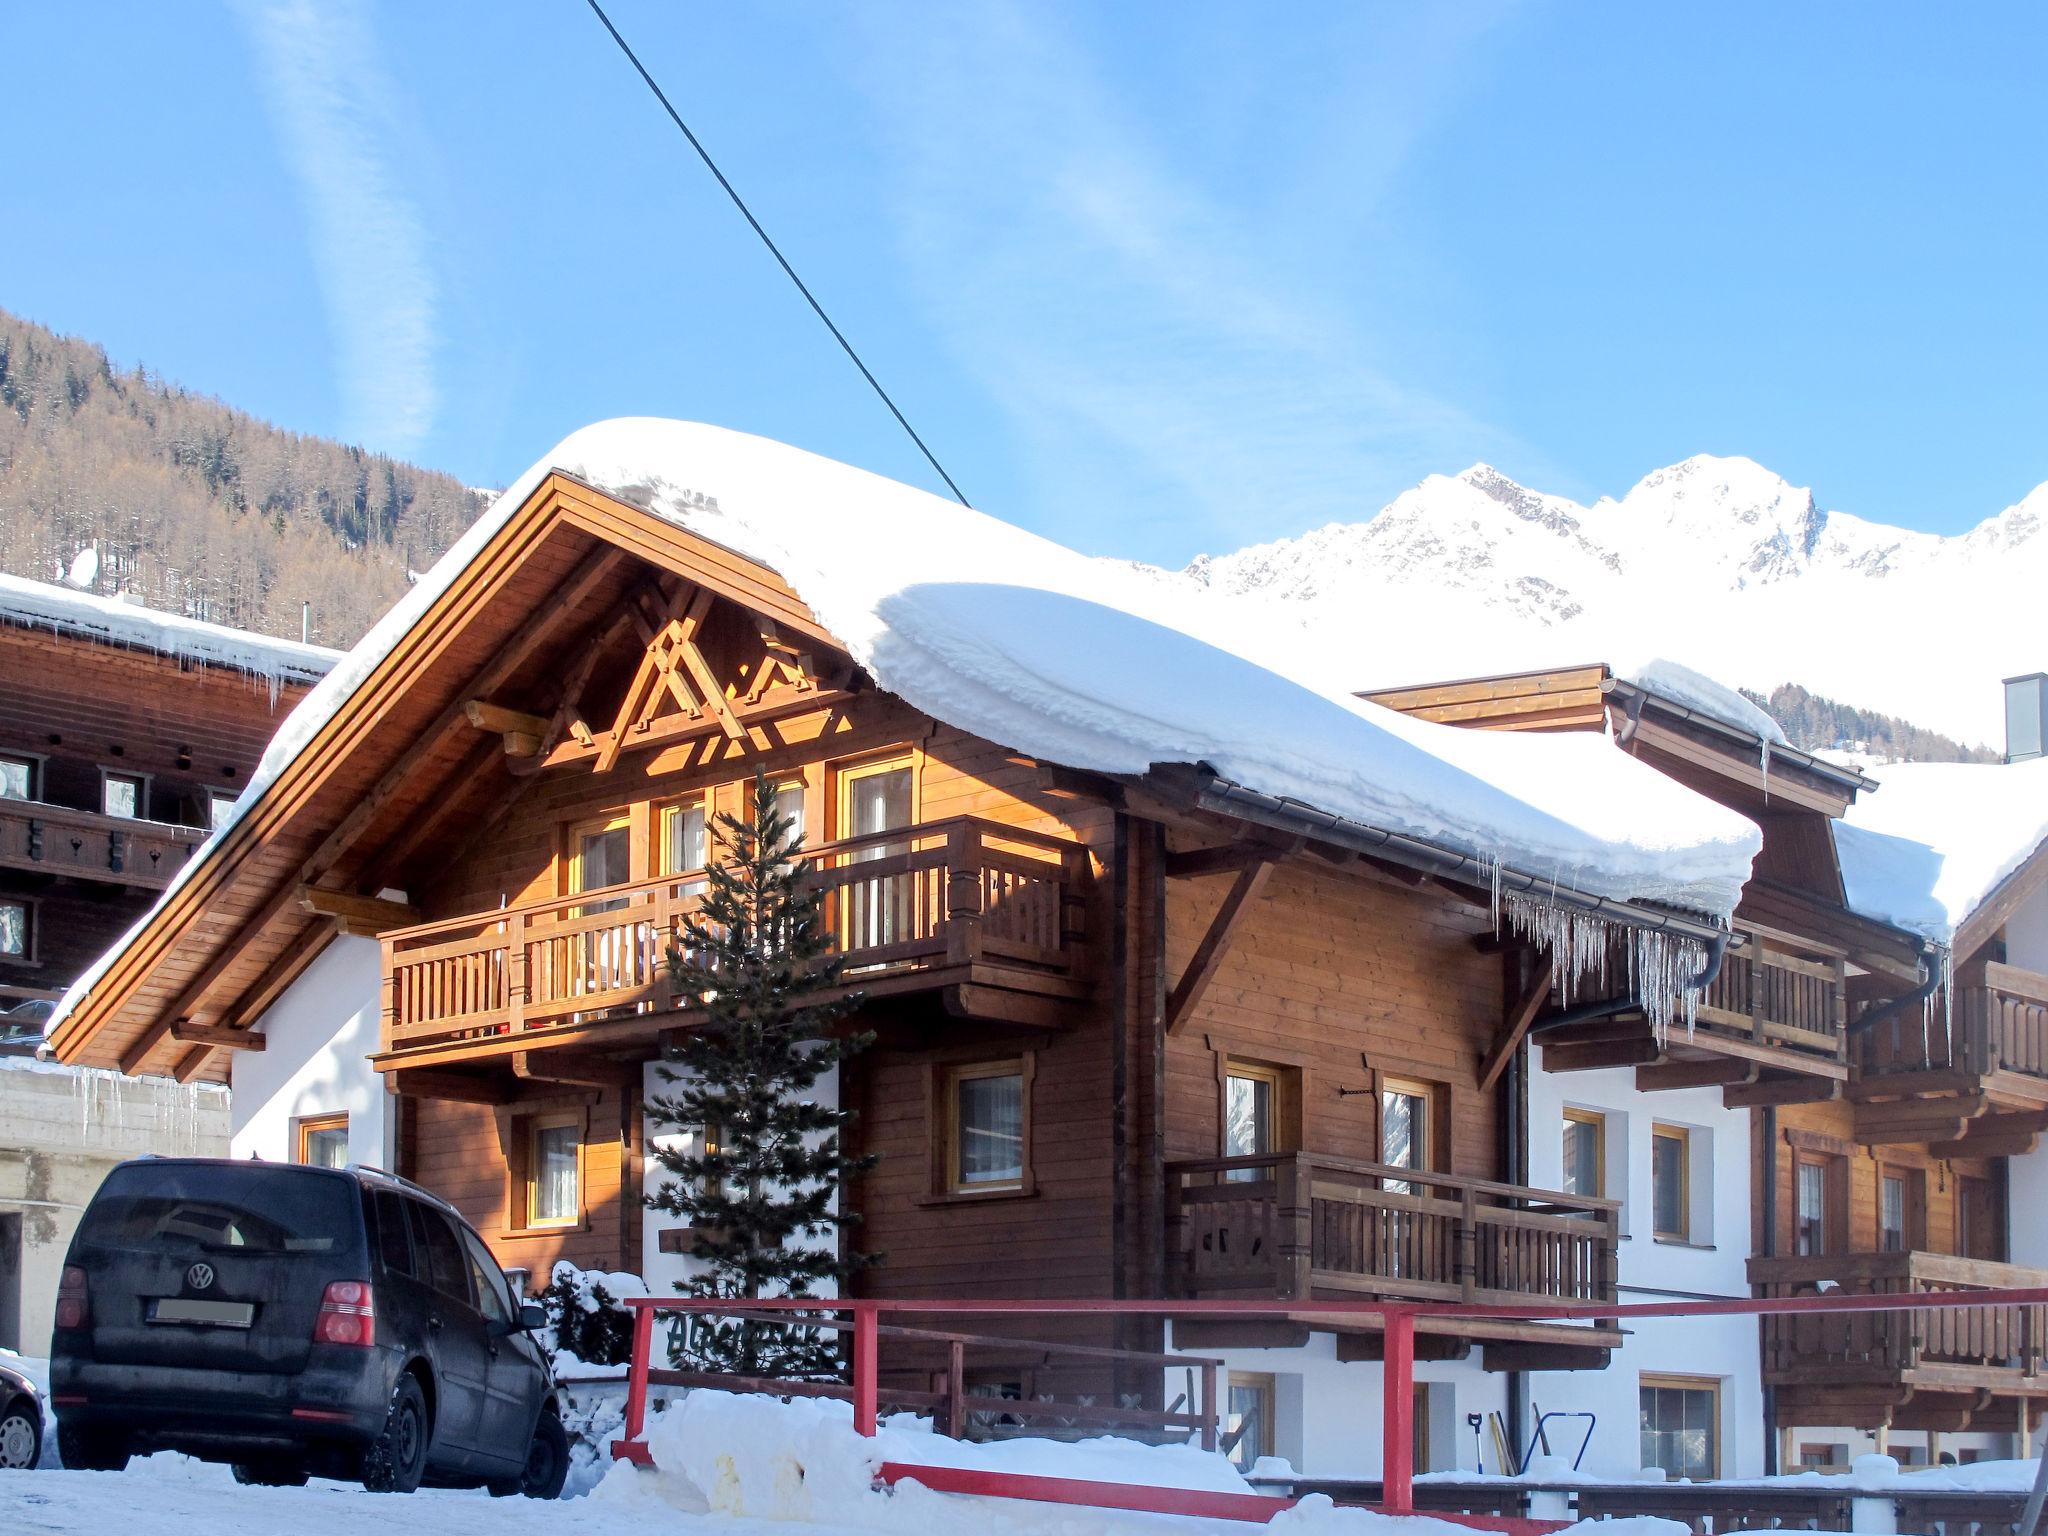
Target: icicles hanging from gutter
[[1663, 970]]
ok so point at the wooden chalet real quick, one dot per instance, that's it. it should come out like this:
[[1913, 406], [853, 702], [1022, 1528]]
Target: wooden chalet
[[1880, 1133], [1138, 1034], [123, 736]]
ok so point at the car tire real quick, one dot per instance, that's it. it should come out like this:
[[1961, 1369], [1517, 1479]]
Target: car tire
[[21, 1437], [547, 1464], [270, 1474], [397, 1459], [91, 1450]]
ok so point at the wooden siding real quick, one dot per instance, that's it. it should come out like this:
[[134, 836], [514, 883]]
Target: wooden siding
[[1826, 1130]]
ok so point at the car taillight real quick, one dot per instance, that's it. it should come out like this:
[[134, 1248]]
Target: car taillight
[[348, 1314], [73, 1308]]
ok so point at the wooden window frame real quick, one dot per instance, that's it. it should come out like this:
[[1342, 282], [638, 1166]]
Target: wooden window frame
[[665, 810], [1708, 1384], [1823, 1448], [944, 1137], [1285, 1083], [847, 772], [1913, 1205], [38, 765], [1267, 1387], [1598, 1120], [32, 919], [571, 852], [305, 1126], [1834, 1167], [1683, 1136], [524, 1126], [1435, 1111], [142, 786]]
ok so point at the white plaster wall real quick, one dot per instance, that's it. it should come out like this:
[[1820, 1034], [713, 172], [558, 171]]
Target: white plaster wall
[[1715, 1263], [320, 1036], [2026, 944], [1328, 1411]]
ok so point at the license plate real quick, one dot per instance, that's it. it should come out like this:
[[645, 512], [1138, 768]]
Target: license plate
[[217, 1314]]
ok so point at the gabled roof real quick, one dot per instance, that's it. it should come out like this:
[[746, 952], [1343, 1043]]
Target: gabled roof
[[976, 623]]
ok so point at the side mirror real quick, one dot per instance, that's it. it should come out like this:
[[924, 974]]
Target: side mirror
[[532, 1316]]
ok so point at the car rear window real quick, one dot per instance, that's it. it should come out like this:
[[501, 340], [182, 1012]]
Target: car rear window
[[207, 1208]]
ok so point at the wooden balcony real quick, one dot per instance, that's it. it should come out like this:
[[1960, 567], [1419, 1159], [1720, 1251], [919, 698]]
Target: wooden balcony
[[1971, 1367], [1972, 1078], [85, 845], [968, 904], [1299, 1226]]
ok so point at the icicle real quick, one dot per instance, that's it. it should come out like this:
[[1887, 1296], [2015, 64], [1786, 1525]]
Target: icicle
[[1660, 966], [1765, 763]]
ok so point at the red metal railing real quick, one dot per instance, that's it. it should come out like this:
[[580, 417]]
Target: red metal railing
[[1395, 1320]]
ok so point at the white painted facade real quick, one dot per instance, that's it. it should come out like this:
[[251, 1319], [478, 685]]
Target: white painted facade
[[319, 1037], [1712, 1261]]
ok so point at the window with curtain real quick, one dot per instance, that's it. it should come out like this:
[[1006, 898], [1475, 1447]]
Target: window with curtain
[[551, 1174], [1670, 1191], [1810, 1207], [1681, 1430], [17, 778], [876, 912], [1248, 1415], [986, 1113], [1584, 1153], [686, 844], [1891, 1213]]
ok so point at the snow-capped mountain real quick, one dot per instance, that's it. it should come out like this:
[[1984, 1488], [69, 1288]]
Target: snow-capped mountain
[[1714, 562]]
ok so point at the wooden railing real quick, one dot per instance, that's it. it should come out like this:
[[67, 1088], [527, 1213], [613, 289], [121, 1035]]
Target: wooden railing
[[1999, 1024], [1774, 996], [57, 840], [1299, 1225], [1822, 1348], [942, 894]]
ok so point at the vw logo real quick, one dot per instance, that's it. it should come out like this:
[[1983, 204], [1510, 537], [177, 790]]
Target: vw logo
[[199, 1276]]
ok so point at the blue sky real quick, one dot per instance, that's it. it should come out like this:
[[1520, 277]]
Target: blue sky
[[1153, 279]]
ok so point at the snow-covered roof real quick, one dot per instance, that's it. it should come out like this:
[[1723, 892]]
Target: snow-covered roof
[[1696, 691], [1099, 665], [1937, 839], [113, 621]]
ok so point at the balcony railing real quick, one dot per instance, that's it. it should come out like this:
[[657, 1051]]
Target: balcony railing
[[1994, 1345], [1999, 1024], [1299, 1225], [58, 840], [941, 895]]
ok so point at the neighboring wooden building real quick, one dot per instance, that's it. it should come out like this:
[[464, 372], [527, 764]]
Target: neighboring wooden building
[[1141, 1030], [1878, 1136]]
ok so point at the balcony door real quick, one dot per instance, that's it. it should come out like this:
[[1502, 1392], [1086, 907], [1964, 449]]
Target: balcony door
[[875, 913], [601, 856]]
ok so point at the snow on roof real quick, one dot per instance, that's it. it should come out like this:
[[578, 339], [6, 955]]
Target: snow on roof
[[1937, 839], [114, 622], [1100, 665], [1698, 692]]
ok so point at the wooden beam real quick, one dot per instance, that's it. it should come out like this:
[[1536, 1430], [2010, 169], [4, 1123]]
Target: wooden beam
[[420, 1083], [700, 669], [185, 1032], [255, 1001], [367, 915], [500, 721], [2017, 1144], [478, 770], [1662, 1076], [1976, 930], [573, 1071], [187, 1003], [1229, 858], [1516, 1027], [1797, 1089], [1208, 956], [1597, 1055], [605, 748]]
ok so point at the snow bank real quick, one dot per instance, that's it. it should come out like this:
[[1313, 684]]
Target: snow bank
[[1099, 665], [115, 622], [1937, 838]]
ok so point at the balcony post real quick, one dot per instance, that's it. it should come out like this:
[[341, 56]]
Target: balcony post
[[1467, 1259], [1294, 1238], [387, 996], [1755, 963], [963, 893], [517, 981]]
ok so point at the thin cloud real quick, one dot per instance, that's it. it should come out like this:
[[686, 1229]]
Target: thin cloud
[[329, 98]]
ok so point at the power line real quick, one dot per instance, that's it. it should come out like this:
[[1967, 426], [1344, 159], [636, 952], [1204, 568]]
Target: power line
[[739, 203]]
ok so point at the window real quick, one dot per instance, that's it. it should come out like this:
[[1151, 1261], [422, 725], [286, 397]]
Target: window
[[987, 1109], [17, 777], [554, 1148], [17, 930], [1248, 1417], [437, 1255], [1823, 1457], [124, 794], [600, 854], [492, 1297], [1407, 1128], [685, 840], [1260, 1109], [1810, 1213], [1585, 1153], [323, 1141], [789, 804], [875, 798], [1681, 1425], [220, 807], [1670, 1183]]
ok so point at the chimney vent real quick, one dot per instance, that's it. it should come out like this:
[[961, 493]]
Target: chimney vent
[[2026, 716]]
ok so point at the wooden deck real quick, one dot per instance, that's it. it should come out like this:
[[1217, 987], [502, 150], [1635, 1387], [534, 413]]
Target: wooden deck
[[960, 902], [1970, 1367], [85, 845], [1310, 1227]]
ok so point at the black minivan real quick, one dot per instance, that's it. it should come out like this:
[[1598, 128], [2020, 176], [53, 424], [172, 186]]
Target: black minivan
[[297, 1321]]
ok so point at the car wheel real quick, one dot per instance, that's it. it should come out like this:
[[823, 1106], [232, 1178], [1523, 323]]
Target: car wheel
[[397, 1458], [91, 1450], [21, 1437], [547, 1464], [270, 1474]]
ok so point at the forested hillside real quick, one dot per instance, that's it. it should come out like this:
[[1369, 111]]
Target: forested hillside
[[200, 509], [1817, 724]]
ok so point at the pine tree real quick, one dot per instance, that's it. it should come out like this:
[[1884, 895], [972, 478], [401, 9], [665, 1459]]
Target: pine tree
[[761, 1183]]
